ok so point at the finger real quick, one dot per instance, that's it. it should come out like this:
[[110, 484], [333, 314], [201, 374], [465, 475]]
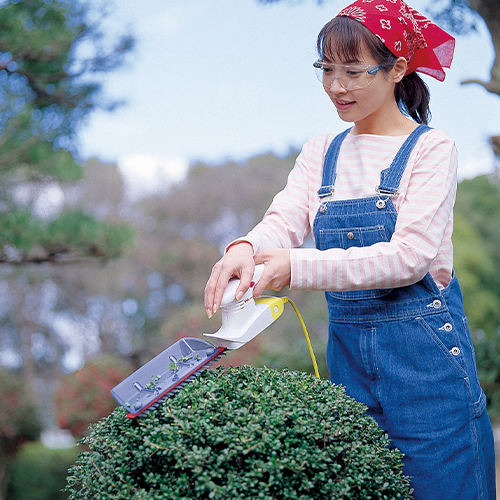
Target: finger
[[245, 275], [260, 258], [261, 285], [246, 280], [263, 282], [224, 276], [210, 289], [259, 288]]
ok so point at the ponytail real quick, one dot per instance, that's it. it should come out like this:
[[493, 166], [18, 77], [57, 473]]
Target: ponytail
[[413, 96]]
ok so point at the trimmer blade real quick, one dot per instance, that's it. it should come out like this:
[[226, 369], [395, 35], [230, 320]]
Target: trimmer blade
[[168, 371], [176, 389]]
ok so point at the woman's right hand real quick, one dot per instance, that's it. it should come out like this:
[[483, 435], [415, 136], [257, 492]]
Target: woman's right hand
[[237, 262]]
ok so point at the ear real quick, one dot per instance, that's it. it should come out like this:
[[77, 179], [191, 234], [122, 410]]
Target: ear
[[399, 69]]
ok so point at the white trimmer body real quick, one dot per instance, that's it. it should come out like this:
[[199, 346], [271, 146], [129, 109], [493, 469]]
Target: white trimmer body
[[244, 319]]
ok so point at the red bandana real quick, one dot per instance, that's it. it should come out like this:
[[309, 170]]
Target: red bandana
[[406, 33]]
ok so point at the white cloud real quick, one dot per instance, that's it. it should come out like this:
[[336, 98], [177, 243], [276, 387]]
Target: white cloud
[[148, 174]]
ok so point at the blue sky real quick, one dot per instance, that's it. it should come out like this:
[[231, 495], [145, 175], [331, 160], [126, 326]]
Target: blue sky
[[213, 80]]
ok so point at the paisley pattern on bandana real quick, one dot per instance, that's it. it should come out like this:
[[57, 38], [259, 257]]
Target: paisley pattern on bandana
[[407, 33]]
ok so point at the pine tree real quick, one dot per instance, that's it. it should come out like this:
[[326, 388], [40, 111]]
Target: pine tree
[[51, 55]]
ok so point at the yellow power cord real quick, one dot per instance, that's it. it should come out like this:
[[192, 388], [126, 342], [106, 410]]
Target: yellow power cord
[[308, 340], [276, 304]]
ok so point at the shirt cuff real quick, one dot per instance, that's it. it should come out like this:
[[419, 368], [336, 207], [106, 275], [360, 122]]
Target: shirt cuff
[[239, 240]]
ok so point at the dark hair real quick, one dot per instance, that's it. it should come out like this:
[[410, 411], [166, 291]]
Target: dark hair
[[344, 38]]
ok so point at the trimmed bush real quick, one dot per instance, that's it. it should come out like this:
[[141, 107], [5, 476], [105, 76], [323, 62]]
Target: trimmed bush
[[242, 433]]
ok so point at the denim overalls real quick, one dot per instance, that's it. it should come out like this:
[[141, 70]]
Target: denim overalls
[[406, 353]]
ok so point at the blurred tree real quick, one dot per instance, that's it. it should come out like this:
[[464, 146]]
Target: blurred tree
[[39, 473], [234, 206], [50, 55], [19, 421], [476, 241], [84, 397]]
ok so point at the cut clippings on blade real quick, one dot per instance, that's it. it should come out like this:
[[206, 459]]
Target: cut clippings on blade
[[163, 375]]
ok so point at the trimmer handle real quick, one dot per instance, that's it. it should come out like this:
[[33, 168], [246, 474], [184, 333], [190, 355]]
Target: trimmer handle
[[230, 291]]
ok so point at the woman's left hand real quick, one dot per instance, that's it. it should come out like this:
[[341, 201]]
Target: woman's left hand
[[277, 271]]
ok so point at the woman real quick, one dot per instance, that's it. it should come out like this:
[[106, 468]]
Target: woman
[[378, 199]]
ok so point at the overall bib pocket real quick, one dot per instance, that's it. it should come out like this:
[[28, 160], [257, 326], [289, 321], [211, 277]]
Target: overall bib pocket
[[351, 237], [346, 238]]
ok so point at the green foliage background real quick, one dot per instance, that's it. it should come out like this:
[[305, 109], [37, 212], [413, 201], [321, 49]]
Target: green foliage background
[[477, 263], [51, 56], [39, 473]]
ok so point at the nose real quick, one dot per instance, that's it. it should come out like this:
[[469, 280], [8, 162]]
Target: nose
[[335, 87]]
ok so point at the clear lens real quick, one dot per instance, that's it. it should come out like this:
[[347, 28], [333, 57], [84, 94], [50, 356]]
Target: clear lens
[[350, 77]]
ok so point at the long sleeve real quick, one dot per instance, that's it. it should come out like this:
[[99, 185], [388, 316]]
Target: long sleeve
[[288, 221], [421, 242]]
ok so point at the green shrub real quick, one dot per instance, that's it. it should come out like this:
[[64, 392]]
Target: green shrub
[[243, 433], [19, 419], [487, 349], [39, 473]]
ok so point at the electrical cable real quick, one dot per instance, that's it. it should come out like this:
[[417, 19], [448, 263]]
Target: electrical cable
[[311, 352]]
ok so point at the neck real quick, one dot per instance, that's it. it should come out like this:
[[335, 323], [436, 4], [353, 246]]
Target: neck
[[391, 123]]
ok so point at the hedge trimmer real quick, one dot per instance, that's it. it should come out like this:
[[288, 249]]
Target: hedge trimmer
[[177, 365]]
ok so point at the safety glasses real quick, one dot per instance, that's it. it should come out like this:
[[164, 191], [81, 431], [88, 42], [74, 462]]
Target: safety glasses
[[349, 76]]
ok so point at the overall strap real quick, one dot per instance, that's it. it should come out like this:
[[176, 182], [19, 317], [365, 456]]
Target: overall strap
[[391, 177], [329, 166]]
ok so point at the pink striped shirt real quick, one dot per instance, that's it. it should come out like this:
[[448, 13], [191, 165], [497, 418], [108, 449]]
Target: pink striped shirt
[[422, 238]]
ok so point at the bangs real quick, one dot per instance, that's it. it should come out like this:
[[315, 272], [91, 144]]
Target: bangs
[[343, 39]]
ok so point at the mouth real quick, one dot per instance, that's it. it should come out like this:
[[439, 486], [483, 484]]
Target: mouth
[[341, 104]]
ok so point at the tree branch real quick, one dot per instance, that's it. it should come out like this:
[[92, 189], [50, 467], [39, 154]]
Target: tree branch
[[489, 10], [56, 259], [492, 86], [495, 143], [6, 159]]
